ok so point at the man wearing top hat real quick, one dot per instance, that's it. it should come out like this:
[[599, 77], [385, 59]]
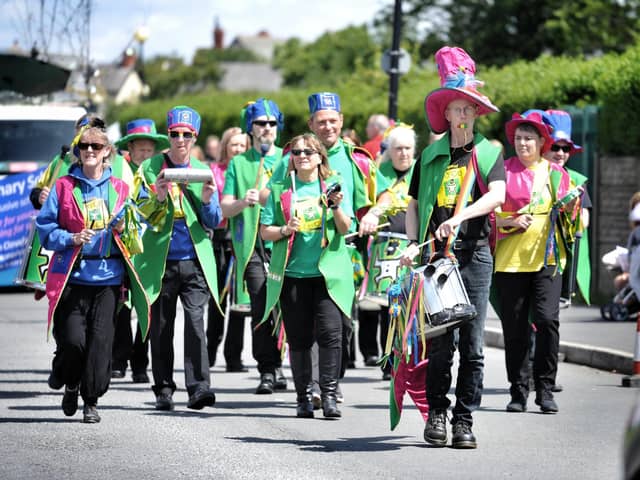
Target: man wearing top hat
[[246, 175], [142, 141], [459, 180], [178, 260]]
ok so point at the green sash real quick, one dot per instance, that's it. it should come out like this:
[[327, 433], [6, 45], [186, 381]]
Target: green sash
[[244, 226]]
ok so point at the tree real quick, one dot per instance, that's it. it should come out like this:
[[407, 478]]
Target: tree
[[168, 76], [501, 31], [333, 56]]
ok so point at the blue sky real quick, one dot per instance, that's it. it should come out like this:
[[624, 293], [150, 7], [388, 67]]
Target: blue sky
[[183, 26]]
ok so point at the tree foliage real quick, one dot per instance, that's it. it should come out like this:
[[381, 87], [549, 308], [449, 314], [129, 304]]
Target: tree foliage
[[168, 76], [501, 31], [335, 55]]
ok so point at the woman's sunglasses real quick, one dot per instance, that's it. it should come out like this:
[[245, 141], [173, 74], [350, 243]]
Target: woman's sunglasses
[[564, 148], [96, 147]]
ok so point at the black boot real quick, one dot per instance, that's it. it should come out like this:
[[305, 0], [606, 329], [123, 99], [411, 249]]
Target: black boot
[[301, 369], [518, 403], [329, 363]]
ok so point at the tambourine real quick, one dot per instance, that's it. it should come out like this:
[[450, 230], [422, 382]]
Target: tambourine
[[188, 175]]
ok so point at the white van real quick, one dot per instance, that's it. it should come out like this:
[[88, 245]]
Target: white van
[[30, 135]]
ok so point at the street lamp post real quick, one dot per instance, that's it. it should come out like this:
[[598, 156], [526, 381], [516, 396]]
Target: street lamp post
[[141, 35]]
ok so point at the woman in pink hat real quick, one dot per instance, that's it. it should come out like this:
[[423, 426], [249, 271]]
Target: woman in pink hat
[[529, 258], [456, 184]]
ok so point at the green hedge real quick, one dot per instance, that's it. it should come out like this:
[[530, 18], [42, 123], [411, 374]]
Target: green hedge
[[610, 81]]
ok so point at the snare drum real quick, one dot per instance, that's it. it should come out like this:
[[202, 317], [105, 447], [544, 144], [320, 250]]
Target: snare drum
[[35, 263], [384, 264], [445, 298]]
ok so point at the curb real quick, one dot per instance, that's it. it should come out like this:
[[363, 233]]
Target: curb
[[581, 354]]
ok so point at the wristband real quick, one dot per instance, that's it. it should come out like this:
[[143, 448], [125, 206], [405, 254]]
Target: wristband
[[282, 230], [334, 207], [377, 211]]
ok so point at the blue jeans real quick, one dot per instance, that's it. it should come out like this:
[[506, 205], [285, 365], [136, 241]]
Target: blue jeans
[[476, 267]]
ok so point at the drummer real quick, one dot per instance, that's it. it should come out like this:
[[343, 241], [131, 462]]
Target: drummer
[[141, 141], [451, 204], [396, 165]]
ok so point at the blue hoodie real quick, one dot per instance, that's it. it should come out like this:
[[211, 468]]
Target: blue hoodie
[[100, 262]]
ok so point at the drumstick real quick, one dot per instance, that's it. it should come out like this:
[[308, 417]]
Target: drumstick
[[294, 196], [419, 246], [355, 234]]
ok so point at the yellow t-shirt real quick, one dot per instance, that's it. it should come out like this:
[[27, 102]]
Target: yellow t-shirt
[[524, 251]]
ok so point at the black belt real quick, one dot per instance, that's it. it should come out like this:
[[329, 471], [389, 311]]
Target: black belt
[[470, 244]]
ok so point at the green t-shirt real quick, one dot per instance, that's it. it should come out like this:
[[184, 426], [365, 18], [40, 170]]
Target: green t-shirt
[[306, 249], [231, 186]]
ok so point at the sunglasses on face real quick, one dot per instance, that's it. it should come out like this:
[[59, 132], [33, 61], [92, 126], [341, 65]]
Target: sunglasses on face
[[298, 152], [96, 147], [185, 135], [564, 148], [264, 123]]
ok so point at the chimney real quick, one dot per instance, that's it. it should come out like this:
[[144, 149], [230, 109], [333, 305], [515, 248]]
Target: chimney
[[128, 58], [218, 36]]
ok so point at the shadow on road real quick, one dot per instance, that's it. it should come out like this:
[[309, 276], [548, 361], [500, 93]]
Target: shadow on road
[[364, 444]]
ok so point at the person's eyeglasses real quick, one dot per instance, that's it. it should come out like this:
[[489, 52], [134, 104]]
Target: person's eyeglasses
[[185, 135], [468, 110], [96, 147], [264, 123], [298, 152], [564, 148]]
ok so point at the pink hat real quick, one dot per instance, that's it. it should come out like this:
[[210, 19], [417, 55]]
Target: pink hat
[[533, 118], [457, 80]]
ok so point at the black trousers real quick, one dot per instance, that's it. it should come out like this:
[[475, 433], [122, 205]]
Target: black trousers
[[126, 348], [264, 343], [520, 294], [368, 321], [309, 314], [234, 341], [182, 279], [83, 329]]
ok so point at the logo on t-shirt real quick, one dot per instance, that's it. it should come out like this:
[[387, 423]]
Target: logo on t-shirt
[[96, 214], [310, 214], [450, 186]]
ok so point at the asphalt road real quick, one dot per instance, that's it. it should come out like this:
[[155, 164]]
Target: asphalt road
[[251, 436]]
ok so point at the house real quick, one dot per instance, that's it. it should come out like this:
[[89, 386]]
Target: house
[[262, 45], [249, 76]]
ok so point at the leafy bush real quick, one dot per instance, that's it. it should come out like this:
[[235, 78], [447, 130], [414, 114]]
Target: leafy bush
[[610, 82]]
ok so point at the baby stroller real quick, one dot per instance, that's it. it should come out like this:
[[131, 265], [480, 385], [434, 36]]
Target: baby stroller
[[625, 305]]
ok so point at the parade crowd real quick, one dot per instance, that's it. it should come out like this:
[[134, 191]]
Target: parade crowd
[[309, 239]]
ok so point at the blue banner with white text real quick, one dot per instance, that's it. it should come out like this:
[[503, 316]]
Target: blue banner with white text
[[16, 213]]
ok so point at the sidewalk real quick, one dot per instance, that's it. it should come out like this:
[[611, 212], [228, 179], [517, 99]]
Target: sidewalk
[[585, 339]]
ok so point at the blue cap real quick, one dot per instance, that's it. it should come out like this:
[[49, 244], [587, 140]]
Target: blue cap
[[183, 116], [324, 101], [261, 107]]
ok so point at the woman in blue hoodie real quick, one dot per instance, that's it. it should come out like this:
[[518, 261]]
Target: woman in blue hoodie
[[81, 221]]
